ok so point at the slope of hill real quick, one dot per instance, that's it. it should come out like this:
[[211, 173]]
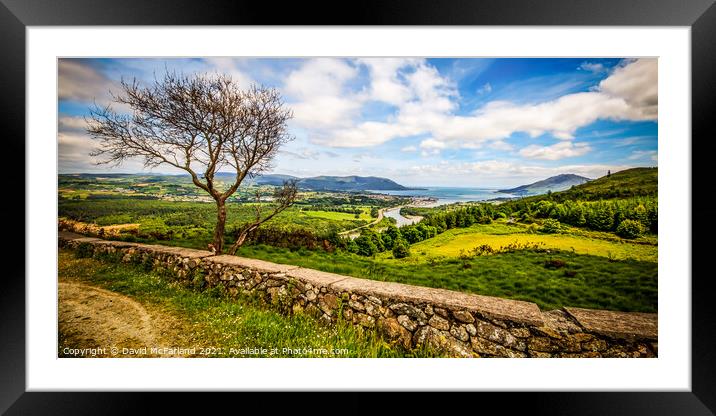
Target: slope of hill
[[554, 184], [623, 184]]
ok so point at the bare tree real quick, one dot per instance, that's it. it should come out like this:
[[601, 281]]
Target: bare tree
[[200, 124]]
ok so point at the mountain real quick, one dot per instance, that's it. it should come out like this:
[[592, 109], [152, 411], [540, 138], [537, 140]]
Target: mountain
[[327, 183], [553, 184], [276, 180], [349, 183]]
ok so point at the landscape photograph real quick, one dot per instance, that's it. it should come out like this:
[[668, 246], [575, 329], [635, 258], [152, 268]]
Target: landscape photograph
[[369, 207]]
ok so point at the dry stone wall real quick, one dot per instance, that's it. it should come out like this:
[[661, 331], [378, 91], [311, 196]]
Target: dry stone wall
[[460, 324]]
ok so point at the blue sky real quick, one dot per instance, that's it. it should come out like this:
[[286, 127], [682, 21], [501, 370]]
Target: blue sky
[[444, 122]]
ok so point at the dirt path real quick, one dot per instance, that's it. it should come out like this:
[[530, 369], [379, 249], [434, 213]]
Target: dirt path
[[90, 317]]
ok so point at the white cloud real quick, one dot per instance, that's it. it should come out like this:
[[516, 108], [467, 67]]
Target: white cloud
[[230, 66], [503, 172], [592, 67], [628, 94], [556, 151], [81, 82], [409, 149], [73, 151], [386, 85], [429, 97], [652, 155], [628, 141], [485, 89], [431, 147], [501, 145], [637, 84], [303, 154], [430, 144], [69, 123], [318, 89]]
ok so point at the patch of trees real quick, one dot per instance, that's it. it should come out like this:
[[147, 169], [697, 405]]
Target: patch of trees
[[605, 215], [461, 217], [370, 243]]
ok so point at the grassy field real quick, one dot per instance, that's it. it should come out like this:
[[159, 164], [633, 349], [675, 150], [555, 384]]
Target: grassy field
[[583, 281], [452, 242], [339, 216], [207, 319]]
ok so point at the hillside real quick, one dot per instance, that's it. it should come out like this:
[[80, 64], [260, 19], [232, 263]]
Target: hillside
[[623, 184], [553, 184]]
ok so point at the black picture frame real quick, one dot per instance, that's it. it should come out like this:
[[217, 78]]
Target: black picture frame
[[16, 15]]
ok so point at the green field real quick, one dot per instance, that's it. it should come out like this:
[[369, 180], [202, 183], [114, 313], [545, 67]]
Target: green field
[[584, 281], [210, 319], [452, 242]]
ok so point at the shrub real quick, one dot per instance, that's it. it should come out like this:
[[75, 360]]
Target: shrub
[[485, 220], [198, 280], [366, 246], [554, 263], [601, 218], [482, 250], [630, 229], [527, 218], [84, 250], [551, 226], [401, 249]]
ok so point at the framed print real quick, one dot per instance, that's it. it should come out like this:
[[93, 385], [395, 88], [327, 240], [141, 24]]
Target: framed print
[[343, 206]]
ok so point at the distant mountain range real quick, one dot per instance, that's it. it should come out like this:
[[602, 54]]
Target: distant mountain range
[[554, 184], [331, 183]]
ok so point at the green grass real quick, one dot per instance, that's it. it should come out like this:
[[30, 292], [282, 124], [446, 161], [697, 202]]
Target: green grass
[[586, 281], [218, 322], [452, 242]]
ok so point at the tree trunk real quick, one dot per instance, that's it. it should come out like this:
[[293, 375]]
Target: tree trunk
[[220, 227]]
